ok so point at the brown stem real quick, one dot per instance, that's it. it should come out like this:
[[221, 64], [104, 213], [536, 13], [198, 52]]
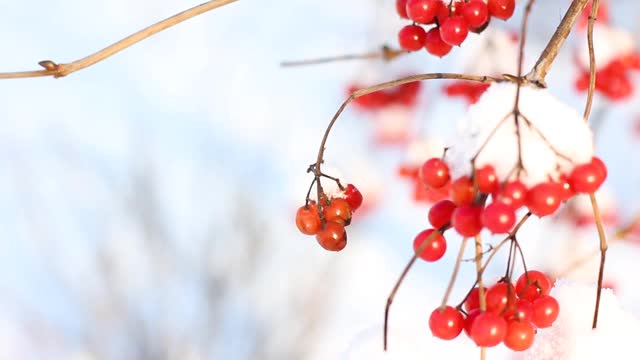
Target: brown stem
[[386, 54], [542, 66], [603, 254], [60, 70], [592, 58], [454, 275]]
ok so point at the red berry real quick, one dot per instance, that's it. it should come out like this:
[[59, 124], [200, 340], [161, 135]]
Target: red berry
[[411, 37], [599, 164], [545, 311], [502, 9], [338, 211], [468, 321], [544, 199], [434, 250], [488, 329], [462, 192], [333, 237], [514, 194], [567, 190], [486, 180], [501, 298], [520, 335], [523, 311], [435, 173], [446, 324], [466, 219], [423, 11], [473, 300], [440, 213], [476, 13], [454, 30], [434, 44], [401, 8], [586, 178], [353, 197], [532, 285], [308, 220], [498, 217]]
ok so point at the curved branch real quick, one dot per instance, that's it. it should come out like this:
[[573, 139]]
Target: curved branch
[[60, 70]]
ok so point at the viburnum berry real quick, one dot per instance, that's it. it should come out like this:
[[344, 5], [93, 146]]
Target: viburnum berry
[[307, 219], [332, 237], [468, 321], [500, 298], [544, 199], [446, 324], [522, 311], [462, 192], [338, 211], [435, 173], [488, 329], [411, 37], [454, 30], [567, 190], [423, 11], [545, 311], [434, 250], [514, 194], [466, 219], [520, 335], [599, 164], [586, 178], [434, 43], [401, 8], [502, 9], [353, 196], [498, 217], [473, 300], [486, 180], [476, 13], [532, 285], [440, 213]]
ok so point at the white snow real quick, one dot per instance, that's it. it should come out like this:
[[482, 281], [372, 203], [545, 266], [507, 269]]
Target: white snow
[[561, 125], [419, 151]]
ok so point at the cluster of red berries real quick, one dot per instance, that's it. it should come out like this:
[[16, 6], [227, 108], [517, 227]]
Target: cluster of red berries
[[453, 20], [614, 80], [405, 95], [328, 221], [468, 90], [465, 212], [512, 315]]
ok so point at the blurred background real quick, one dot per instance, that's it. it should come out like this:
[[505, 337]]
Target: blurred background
[[148, 201]]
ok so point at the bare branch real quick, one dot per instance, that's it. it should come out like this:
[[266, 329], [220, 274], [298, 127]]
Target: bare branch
[[386, 54]]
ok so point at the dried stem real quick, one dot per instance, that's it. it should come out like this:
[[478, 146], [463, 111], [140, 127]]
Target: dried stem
[[481, 292], [386, 54], [592, 58], [454, 275], [546, 59], [603, 253], [60, 70]]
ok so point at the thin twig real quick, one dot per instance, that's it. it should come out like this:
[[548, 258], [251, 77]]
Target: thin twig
[[386, 54], [603, 254], [592, 58], [454, 275], [481, 290], [60, 70]]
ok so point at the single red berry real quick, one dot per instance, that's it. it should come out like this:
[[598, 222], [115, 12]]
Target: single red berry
[[502, 9], [544, 199], [473, 300], [532, 285], [401, 8], [567, 190], [486, 179], [353, 197], [434, 250], [446, 324], [411, 37], [545, 311], [498, 217], [333, 237], [501, 298], [514, 194], [308, 220], [462, 192], [338, 211], [423, 11], [476, 13], [488, 329], [440, 213], [435, 173], [468, 321], [434, 44], [466, 219], [520, 335], [599, 164], [523, 311], [454, 30], [586, 178]]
